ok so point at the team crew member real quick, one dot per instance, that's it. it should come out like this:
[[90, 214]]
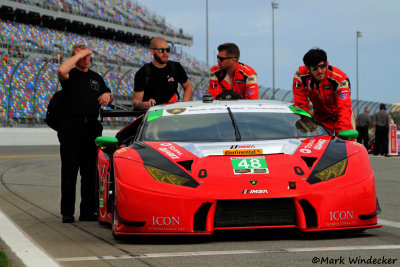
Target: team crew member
[[381, 125], [85, 92], [232, 75], [363, 125], [157, 82], [327, 88]]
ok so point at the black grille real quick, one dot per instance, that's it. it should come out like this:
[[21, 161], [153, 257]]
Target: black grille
[[255, 212]]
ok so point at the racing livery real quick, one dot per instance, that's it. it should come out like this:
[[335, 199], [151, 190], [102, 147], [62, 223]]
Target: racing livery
[[193, 168], [330, 98], [244, 82]]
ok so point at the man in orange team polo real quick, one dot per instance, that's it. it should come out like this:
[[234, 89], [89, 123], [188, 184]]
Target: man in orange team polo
[[231, 75]]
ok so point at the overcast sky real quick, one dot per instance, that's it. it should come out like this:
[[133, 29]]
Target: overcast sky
[[299, 26]]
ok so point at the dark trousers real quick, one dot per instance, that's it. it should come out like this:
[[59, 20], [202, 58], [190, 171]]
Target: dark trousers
[[363, 136], [381, 140], [78, 153]]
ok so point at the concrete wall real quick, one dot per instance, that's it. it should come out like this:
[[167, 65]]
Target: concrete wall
[[34, 136]]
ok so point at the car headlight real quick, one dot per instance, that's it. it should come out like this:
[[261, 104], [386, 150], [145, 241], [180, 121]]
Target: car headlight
[[333, 171], [166, 177]]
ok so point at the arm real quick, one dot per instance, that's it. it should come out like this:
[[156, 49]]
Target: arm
[[66, 67], [187, 91], [138, 104], [345, 113], [300, 98], [105, 99]]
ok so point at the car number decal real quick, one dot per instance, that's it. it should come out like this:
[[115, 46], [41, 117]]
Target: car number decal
[[249, 165]]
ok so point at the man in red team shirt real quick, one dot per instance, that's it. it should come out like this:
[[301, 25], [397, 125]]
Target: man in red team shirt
[[327, 88], [231, 75]]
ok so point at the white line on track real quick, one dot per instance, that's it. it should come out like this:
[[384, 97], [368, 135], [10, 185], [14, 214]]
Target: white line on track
[[28, 252], [389, 223], [227, 252]]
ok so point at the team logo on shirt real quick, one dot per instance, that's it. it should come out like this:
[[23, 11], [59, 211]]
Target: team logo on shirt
[[170, 79], [94, 85]]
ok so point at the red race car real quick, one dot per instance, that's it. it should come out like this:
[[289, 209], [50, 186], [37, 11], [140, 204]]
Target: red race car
[[193, 168]]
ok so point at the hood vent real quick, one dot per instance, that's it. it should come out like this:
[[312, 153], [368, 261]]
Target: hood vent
[[309, 161], [187, 164]]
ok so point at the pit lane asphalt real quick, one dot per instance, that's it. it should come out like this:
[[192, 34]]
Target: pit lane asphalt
[[30, 194]]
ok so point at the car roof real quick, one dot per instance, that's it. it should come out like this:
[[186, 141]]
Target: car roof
[[222, 103]]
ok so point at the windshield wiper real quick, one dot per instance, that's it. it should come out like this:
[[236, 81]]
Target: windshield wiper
[[237, 133]]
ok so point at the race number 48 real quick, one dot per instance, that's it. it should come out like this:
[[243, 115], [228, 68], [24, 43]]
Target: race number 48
[[249, 163]]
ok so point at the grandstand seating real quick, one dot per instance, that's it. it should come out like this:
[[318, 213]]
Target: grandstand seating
[[123, 12], [34, 80]]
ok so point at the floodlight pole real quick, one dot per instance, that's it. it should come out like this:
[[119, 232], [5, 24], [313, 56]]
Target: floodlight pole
[[207, 33], [274, 6], [359, 34]]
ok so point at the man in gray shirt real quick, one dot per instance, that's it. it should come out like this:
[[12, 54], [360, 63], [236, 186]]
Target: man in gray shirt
[[363, 125], [381, 124]]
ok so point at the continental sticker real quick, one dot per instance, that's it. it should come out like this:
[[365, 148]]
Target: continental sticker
[[249, 165], [243, 152]]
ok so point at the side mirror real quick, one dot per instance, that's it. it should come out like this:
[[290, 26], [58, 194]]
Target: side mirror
[[348, 134], [106, 141]]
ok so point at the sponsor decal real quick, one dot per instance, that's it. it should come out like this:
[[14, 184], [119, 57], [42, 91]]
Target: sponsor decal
[[239, 81], [166, 221], [242, 165], [326, 87], [305, 151], [166, 224], [343, 84], [168, 153], [242, 146], [341, 215], [250, 79], [176, 111], [252, 191], [242, 171], [320, 144], [101, 203], [341, 218], [249, 92], [243, 152], [310, 144], [344, 95], [297, 84], [172, 147], [253, 182]]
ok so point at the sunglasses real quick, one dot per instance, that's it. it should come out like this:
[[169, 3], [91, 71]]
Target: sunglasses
[[320, 66], [162, 50], [223, 58]]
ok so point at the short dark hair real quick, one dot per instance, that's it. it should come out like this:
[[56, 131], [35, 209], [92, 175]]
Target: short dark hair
[[314, 56], [231, 49], [382, 106]]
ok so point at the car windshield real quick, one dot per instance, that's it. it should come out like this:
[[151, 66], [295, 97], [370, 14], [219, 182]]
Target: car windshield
[[214, 127]]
